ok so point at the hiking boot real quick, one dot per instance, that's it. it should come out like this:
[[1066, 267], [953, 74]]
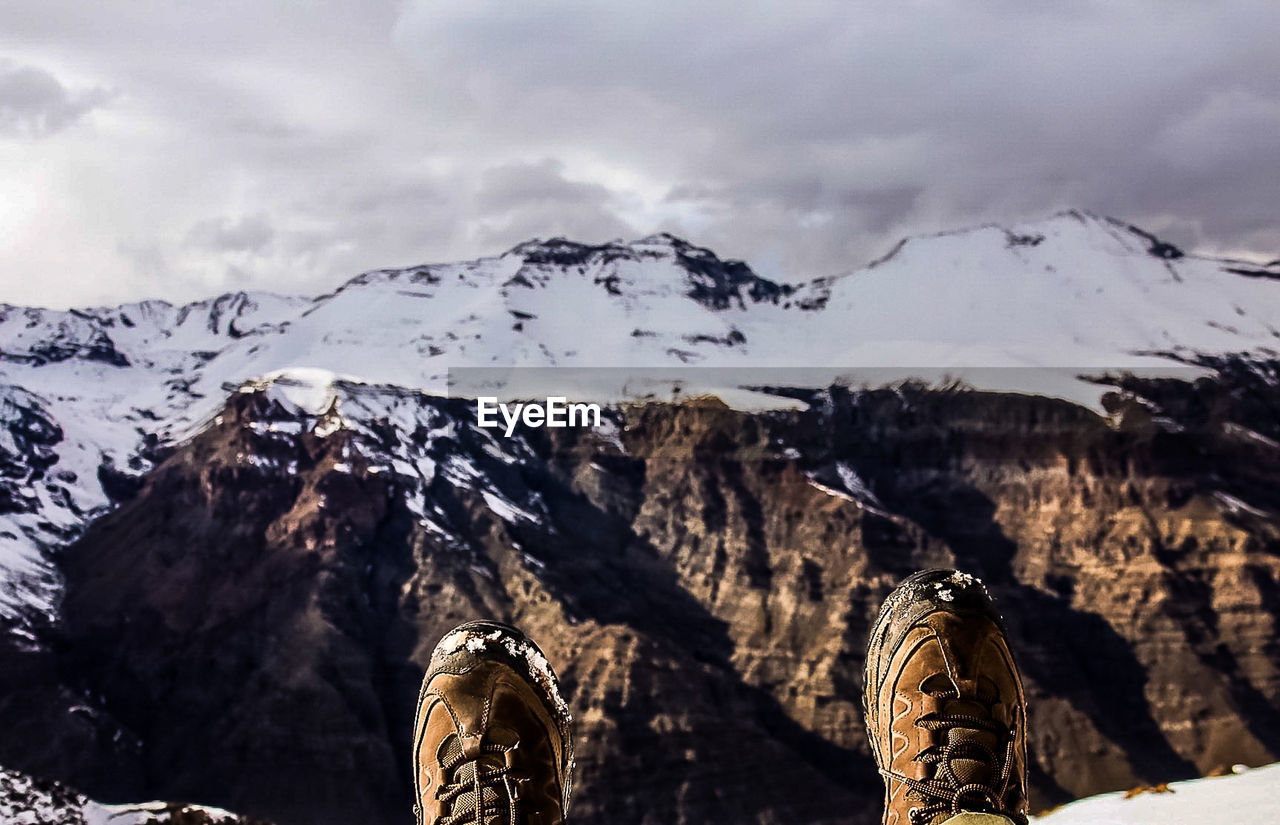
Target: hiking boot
[[491, 743], [945, 711]]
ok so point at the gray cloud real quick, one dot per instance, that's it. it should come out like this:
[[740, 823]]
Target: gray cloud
[[34, 103], [537, 184], [248, 233], [847, 124], [251, 143], [523, 200]]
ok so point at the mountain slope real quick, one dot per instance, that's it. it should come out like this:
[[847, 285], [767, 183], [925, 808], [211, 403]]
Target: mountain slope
[[230, 532], [1077, 290], [248, 628]]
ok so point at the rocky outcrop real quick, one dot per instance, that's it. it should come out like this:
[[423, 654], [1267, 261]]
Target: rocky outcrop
[[30, 801], [248, 628], [715, 283]]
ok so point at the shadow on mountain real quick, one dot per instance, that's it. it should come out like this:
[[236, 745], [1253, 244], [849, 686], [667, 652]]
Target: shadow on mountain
[[728, 732], [1066, 652]]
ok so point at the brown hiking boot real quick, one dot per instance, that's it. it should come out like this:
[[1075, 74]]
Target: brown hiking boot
[[491, 742], [945, 711]]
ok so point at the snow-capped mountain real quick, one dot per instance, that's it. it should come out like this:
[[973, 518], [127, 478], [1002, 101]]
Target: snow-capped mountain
[[87, 393], [231, 532]]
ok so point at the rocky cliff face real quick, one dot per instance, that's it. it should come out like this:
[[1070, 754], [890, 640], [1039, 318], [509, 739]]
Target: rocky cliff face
[[248, 625]]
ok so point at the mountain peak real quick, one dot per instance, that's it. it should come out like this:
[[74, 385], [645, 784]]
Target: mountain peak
[[1061, 227], [663, 239], [564, 251], [712, 281], [1153, 245]]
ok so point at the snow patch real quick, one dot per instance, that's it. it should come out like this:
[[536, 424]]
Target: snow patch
[[308, 390], [1248, 797], [476, 641], [506, 510], [27, 801]]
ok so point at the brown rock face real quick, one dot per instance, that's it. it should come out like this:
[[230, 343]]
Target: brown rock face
[[252, 624]]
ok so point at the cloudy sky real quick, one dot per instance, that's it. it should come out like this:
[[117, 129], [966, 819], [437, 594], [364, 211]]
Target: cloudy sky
[[179, 149]]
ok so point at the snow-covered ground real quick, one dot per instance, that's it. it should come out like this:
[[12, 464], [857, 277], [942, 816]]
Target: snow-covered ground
[[25, 801], [1248, 798], [1024, 308]]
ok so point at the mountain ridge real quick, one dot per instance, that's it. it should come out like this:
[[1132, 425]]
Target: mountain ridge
[[1074, 291]]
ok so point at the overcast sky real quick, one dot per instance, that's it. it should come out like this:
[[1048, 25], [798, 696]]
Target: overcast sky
[[180, 149]]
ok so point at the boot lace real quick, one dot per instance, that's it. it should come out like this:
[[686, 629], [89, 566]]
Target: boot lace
[[480, 791], [946, 792]]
